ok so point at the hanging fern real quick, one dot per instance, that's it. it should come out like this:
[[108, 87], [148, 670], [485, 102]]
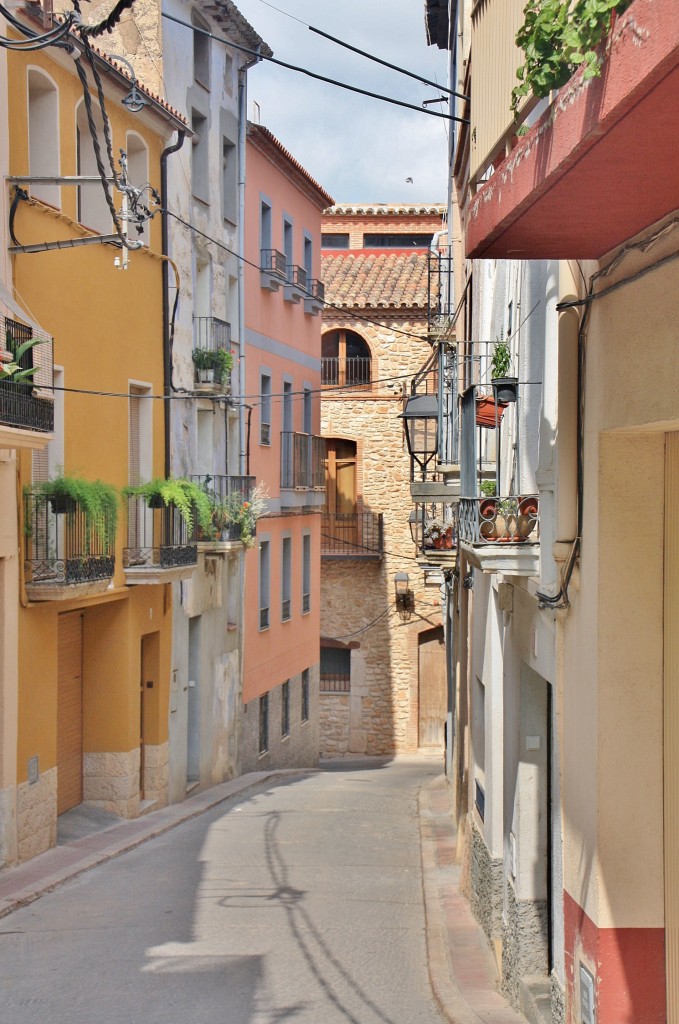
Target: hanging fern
[[98, 500], [185, 495], [557, 36]]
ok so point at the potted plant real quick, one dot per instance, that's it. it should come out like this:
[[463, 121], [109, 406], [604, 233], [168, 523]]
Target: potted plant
[[527, 517], [489, 412], [433, 533], [97, 500], [244, 512], [187, 497], [504, 386], [10, 360], [223, 361], [203, 360]]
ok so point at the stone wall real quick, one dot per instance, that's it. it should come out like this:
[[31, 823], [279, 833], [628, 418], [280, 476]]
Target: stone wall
[[334, 723], [558, 1001], [111, 781], [37, 815], [300, 748], [524, 941], [383, 710], [486, 879]]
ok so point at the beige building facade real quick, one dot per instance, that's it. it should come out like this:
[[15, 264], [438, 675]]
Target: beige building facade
[[382, 668]]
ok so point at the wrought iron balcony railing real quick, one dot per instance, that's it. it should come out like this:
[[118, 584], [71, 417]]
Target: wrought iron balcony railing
[[297, 276], [211, 338], [352, 535], [227, 492], [302, 461], [64, 546], [158, 538], [211, 333], [314, 299], [28, 404], [511, 520], [351, 372], [434, 528]]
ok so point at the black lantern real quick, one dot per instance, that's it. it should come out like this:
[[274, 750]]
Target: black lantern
[[415, 522], [405, 599], [421, 419]]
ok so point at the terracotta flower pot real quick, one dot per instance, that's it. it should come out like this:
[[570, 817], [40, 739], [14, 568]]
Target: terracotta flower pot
[[486, 411]]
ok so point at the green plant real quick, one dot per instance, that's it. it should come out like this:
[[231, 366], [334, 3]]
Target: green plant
[[12, 370], [183, 494], [223, 361], [98, 500], [487, 488], [556, 37], [203, 358], [501, 361], [246, 511]]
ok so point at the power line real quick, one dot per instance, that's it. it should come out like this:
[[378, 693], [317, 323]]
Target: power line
[[313, 74]]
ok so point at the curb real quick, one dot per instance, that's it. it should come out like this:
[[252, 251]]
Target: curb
[[27, 882]]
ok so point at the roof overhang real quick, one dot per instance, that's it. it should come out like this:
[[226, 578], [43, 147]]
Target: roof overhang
[[601, 164]]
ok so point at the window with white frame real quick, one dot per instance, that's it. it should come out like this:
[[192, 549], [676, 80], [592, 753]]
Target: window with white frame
[[264, 584], [93, 210], [265, 408], [43, 134], [286, 578], [306, 572]]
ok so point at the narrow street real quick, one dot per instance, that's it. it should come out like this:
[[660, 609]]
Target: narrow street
[[298, 901]]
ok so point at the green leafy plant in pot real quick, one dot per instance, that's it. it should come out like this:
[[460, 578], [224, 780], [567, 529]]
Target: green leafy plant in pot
[[188, 498], [97, 500], [504, 386]]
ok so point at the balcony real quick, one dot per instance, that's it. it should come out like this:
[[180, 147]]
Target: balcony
[[68, 553], [434, 529], [212, 357], [352, 535], [314, 300], [501, 534], [227, 495], [272, 269], [302, 470], [349, 372], [578, 168], [27, 406], [295, 288], [161, 547]]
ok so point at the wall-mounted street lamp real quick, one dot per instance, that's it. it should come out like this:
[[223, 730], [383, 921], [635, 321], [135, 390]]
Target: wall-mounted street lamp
[[405, 599], [420, 420]]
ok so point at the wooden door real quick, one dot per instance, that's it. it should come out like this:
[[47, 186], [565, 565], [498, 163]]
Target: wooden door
[[69, 712], [432, 688], [340, 481]]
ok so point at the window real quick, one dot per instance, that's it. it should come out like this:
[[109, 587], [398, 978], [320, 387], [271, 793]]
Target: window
[[308, 258], [334, 241], [287, 406], [287, 243], [305, 695], [306, 572], [93, 209], [345, 360], [229, 181], [43, 134], [138, 173], [140, 460], [286, 578], [265, 225], [265, 409], [201, 54], [199, 157], [308, 411], [264, 584], [397, 241], [264, 723], [335, 670], [285, 708]]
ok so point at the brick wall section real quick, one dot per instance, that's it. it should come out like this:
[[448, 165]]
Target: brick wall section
[[384, 224], [383, 717]]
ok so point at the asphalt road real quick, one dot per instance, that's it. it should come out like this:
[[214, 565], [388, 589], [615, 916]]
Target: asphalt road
[[297, 902]]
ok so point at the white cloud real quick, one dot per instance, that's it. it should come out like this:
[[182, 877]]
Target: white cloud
[[359, 149]]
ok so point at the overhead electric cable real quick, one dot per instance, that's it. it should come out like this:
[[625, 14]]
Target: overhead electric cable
[[313, 74]]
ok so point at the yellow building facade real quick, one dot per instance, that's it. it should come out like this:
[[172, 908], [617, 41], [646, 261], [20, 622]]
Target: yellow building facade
[[93, 668]]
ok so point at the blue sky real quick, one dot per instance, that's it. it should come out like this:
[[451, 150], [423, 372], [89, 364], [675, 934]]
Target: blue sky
[[358, 149]]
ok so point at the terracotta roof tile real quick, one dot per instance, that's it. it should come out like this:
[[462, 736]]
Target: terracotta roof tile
[[387, 280]]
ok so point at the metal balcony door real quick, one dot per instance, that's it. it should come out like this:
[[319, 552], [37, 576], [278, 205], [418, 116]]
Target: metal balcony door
[[433, 694], [671, 725], [69, 711]]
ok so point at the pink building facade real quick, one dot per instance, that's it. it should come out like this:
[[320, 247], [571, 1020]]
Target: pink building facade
[[284, 451]]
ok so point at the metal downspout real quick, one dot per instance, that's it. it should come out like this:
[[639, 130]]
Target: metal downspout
[[167, 350]]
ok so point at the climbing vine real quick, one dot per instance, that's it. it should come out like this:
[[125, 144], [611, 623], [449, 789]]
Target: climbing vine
[[557, 36]]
